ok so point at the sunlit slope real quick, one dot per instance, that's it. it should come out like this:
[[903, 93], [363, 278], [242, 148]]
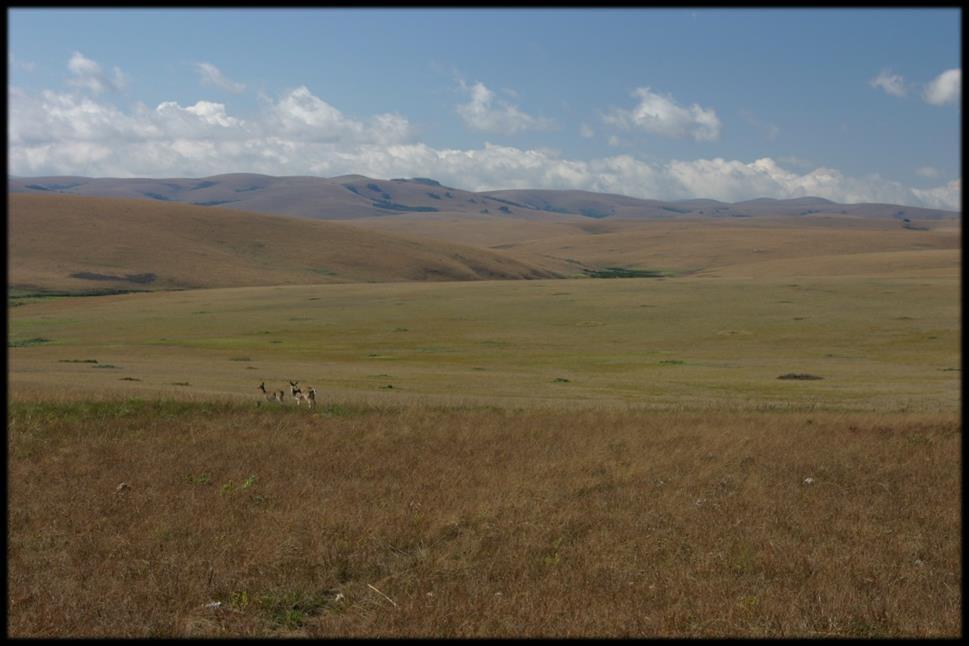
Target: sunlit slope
[[476, 230], [142, 244], [813, 245]]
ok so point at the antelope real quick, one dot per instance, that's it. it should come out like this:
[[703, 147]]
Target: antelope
[[298, 394], [275, 396], [311, 397]]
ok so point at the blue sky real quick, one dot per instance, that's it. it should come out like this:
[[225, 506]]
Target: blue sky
[[853, 105]]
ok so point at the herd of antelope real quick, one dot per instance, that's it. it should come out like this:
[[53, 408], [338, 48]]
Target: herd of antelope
[[279, 396]]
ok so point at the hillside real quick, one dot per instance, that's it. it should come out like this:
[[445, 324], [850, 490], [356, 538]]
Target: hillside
[[814, 244], [65, 242], [354, 196]]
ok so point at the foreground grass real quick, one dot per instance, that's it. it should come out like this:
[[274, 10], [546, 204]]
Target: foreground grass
[[415, 521]]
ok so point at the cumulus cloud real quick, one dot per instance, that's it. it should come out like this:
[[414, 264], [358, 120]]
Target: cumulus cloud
[[948, 196], [945, 88], [927, 171], [586, 131], [486, 113], [210, 75], [891, 83], [305, 116], [87, 74], [49, 133], [660, 114], [195, 120], [299, 133]]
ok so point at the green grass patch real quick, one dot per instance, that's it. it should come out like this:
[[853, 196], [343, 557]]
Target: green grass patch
[[626, 272], [20, 296], [26, 343]]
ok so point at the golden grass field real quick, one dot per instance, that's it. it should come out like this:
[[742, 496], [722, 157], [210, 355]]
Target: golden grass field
[[447, 522], [503, 458]]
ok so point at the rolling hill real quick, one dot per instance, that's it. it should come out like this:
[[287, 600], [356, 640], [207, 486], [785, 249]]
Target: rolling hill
[[354, 196], [74, 243], [157, 234]]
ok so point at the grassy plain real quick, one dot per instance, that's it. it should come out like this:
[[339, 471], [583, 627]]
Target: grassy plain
[[880, 344], [594, 457]]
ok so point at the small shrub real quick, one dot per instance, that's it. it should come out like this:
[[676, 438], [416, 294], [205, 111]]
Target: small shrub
[[799, 375]]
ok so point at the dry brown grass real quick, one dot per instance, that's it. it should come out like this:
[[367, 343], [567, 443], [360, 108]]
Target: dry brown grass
[[54, 236], [368, 521]]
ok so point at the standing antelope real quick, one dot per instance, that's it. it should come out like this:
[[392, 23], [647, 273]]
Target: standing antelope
[[275, 396], [298, 394], [311, 398]]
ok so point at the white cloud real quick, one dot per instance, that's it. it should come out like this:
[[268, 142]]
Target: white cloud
[[661, 115], [87, 74], [487, 113], [209, 74], [302, 115], [586, 131], [927, 171], [300, 134], [891, 83], [945, 88], [948, 196], [195, 120]]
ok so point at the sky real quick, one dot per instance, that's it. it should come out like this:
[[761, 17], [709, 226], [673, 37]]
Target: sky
[[853, 105]]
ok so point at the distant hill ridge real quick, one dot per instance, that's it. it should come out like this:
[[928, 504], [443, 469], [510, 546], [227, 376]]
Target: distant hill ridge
[[355, 196]]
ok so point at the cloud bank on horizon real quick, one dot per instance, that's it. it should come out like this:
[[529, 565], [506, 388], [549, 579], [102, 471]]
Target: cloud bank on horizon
[[82, 130]]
